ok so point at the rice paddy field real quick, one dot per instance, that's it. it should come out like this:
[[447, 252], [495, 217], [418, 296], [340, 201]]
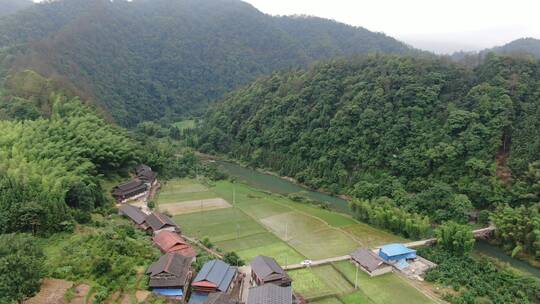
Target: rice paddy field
[[263, 223]]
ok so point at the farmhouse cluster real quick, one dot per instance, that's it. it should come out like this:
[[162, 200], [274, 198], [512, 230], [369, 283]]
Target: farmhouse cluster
[[174, 277]]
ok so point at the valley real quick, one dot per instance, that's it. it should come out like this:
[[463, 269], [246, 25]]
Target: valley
[[259, 222], [208, 152]]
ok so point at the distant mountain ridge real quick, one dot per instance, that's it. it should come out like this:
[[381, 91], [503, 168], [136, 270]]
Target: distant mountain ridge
[[161, 59], [8, 7], [522, 46], [519, 46]]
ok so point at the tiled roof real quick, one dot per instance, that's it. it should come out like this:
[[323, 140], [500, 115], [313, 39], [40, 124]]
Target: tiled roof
[[270, 294], [171, 270], [367, 258], [268, 269], [158, 221], [169, 242], [217, 272], [134, 213]]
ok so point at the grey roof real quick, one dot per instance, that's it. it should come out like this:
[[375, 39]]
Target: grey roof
[[220, 298], [134, 213], [132, 185], [217, 272], [142, 167], [270, 294], [145, 173], [158, 221], [367, 258], [268, 269], [171, 270]]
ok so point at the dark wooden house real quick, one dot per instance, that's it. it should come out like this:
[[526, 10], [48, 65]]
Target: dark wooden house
[[220, 298], [266, 270], [130, 190], [270, 294], [170, 276], [146, 174], [157, 222], [135, 214]]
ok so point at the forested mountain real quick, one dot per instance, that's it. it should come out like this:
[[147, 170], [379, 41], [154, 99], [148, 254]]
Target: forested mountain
[[8, 7], [519, 46], [159, 59], [431, 135]]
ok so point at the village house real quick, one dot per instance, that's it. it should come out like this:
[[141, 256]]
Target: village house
[[146, 174], [170, 276], [370, 262], [266, 270], [135, 214], [215, 276], [131, 190], [137, 187], [270, 294], [220, 298], [171, 242], [397, 254], [159, 222]]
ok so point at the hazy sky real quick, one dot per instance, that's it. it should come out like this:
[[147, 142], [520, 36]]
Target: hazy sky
[[436, 25]]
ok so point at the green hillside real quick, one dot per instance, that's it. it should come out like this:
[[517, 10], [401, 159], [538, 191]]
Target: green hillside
[[520, 46], [431, 135], [161, 59]]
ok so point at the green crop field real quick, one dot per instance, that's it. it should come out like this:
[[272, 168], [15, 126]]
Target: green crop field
[[307, 283], [332, 300], [183, 190], [262, 223], [385, 289]]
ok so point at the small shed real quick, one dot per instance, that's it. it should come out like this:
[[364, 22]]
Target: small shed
[[370, 262], [397, 253], [215, 276]]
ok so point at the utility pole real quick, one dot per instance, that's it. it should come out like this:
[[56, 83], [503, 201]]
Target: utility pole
[[237, 231], [356, 279], [234, 195], [286, 232]]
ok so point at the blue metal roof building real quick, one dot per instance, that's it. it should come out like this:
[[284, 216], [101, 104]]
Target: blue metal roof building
[[214, 276], [396, 252]]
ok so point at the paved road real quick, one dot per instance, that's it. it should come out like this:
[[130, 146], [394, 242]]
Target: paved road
[[476, 233], [319, 262]]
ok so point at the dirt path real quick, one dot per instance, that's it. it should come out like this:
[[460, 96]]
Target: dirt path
[[52, 292]]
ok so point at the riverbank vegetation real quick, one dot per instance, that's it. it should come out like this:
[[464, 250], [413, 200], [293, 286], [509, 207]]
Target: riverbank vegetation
[[475, 280]]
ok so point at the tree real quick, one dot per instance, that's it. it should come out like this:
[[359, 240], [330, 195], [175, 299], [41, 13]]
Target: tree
[[455, 238], [232, 258], [21, 267]]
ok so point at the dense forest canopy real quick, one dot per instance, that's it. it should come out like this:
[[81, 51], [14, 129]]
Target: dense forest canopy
[[434, 137], [160, 59]]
